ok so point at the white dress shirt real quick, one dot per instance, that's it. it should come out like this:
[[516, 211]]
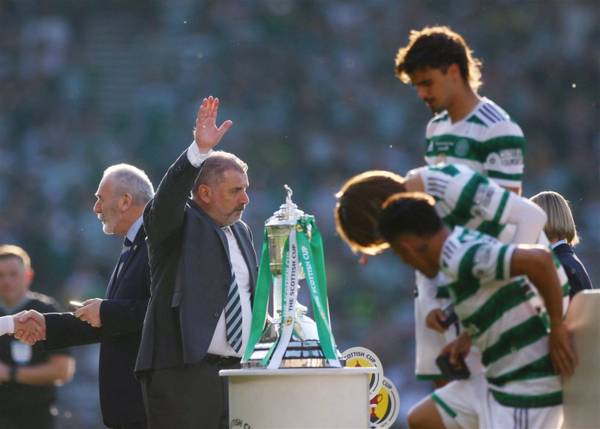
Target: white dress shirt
[[7, 325], [134, 229], [194, 156], [219, 345]]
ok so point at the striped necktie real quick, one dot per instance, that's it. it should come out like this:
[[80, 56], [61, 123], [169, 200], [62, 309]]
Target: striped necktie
[[233, 316]]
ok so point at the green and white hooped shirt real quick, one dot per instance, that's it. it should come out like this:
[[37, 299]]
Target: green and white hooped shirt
[[486, 140], [502, 317], [466, 198]]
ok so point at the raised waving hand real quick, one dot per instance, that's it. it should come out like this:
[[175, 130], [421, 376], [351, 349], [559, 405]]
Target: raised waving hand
[[206, 133]]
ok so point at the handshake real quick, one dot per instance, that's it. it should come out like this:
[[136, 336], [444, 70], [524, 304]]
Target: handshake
[[30, 325]]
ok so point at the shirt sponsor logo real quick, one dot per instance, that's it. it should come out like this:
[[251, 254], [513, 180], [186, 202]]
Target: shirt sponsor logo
[[483, 200], [483, 263], [509, 157], [441, 146], [506, 158]]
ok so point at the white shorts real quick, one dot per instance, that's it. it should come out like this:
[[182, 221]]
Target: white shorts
[[429, 343], [468, 404]]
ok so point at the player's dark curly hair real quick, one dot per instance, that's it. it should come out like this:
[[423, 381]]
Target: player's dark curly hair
[[438, 48], [358, 208], [409, 213]]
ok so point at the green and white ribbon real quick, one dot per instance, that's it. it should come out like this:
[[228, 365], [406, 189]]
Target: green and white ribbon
[[289, 295], [313, 261], [261, 299]]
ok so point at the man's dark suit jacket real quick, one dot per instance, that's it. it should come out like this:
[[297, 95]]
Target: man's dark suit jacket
[[122, 316], [191, 272], [576, 272]]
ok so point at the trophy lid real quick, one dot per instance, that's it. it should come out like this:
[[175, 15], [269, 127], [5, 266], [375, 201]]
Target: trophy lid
[[288, 212]]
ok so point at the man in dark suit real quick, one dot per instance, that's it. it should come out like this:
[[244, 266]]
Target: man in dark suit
[[562, 233], [203, 269], [576, 272], [115, 321]]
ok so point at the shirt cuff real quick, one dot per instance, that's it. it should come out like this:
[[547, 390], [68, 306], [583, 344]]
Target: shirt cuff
[[195, 157], [7, 325]]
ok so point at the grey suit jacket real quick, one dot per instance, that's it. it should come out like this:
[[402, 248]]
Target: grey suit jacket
[[190, 273]]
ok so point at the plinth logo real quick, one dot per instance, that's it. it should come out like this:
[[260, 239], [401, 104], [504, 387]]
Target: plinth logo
[[239, 423], [384, 406], [384, 402], [362, 357]]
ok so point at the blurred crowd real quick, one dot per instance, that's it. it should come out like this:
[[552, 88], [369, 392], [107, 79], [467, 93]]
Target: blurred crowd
[[310, 88]]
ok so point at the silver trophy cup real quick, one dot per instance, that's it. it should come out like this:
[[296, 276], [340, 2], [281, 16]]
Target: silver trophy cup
[[304, 349]]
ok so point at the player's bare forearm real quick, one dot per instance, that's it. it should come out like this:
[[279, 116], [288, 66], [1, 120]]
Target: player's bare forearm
[[536, 263]]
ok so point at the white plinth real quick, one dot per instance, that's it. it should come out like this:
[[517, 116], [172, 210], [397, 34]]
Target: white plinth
[[581, 392], [311, 398]]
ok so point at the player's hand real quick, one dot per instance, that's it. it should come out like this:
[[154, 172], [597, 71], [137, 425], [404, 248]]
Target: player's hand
[[562, 352], [90, 312], [364, 259], [30, 326], [206, 133], [461, 346], [434, 319]]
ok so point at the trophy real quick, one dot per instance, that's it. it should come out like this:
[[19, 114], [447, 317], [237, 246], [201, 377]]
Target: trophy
[[292, 251]]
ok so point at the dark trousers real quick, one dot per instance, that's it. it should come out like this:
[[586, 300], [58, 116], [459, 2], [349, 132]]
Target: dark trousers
[[188, 397], [33, 418]]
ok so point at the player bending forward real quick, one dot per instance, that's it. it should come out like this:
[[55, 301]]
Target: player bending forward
[[523, 348]]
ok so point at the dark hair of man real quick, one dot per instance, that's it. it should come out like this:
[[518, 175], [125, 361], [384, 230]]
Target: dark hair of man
[[359, 206], [438, 48], [409, 213], [215, 166], [11, 251]]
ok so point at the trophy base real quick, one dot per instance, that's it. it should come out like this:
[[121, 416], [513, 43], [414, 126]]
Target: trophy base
[[299, 354]]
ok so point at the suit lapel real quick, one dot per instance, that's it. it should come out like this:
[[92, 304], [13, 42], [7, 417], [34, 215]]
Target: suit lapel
[[223, 239], [197, 211], [135, 247], [240, 234], [111, 282]]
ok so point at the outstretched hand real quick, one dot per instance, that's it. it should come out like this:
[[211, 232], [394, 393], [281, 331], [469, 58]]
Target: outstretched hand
[[30, 326], [206, 133]]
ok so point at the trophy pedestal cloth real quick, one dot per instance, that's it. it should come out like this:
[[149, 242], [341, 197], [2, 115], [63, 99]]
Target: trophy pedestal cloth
[[299, 398]]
